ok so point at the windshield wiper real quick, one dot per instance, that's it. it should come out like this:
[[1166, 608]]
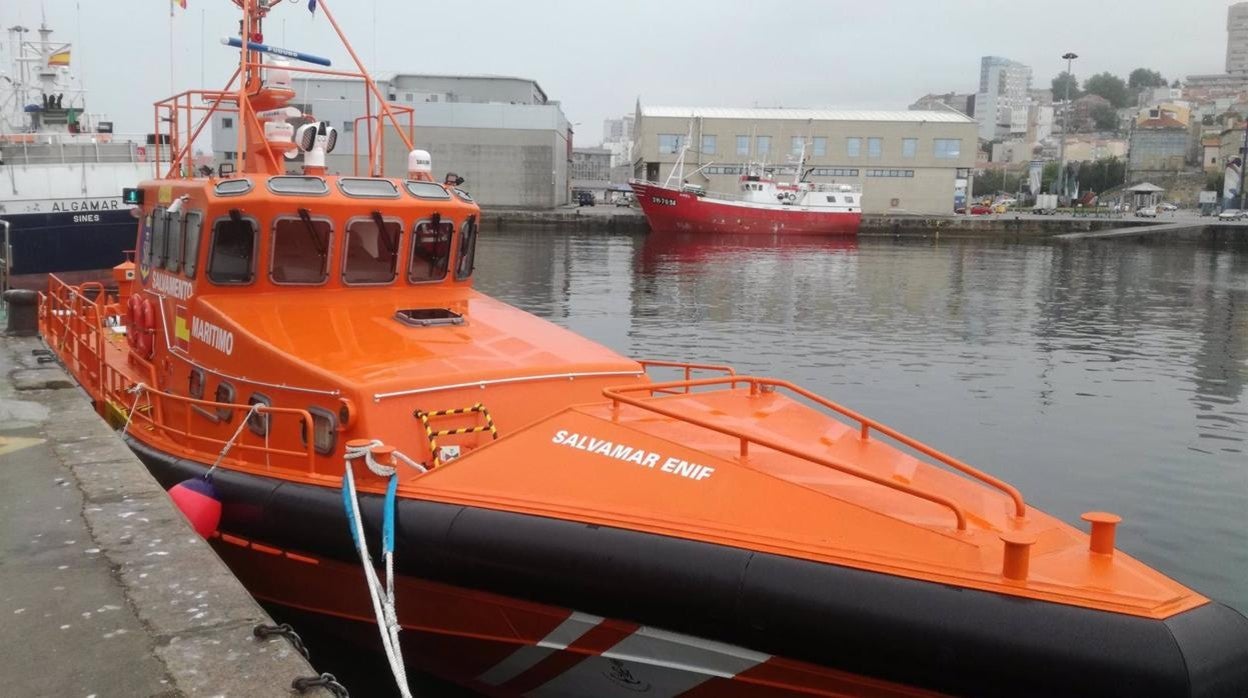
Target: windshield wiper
[[392, 246], [316, 239]]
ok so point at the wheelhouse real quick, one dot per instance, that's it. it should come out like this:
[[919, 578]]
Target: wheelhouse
[[252, 232]]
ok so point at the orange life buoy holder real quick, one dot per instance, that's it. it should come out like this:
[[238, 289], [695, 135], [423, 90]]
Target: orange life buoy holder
[[141, 325]]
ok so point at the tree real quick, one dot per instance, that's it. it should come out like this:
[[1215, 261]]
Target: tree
[[1214, 182], [1059, 86], [1142, 78], [1048, 177], [992, 182], [1105, 118], [1176, 83], [1109, 86]]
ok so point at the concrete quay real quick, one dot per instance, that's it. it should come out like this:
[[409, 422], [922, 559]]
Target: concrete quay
[[104, 588], [605, 219]]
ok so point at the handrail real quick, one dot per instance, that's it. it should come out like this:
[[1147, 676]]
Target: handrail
[[187, 431], [74, 325], [866, 424], [616, 397], [689, 369]]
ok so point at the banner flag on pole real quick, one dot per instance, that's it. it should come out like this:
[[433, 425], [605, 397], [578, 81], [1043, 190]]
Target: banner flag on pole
[[312, 6]]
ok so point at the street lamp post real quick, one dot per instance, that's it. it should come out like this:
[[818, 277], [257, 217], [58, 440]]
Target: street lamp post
[[1061, 145]]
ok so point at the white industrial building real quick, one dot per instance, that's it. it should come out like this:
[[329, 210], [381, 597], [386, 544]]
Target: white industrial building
[[503, 135]]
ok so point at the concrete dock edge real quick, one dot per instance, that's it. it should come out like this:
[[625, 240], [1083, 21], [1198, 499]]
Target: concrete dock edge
[[104, 588]]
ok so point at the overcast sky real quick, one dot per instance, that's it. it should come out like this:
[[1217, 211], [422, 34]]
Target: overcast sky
[[597, 58]]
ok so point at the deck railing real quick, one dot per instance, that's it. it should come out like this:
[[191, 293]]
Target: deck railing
[[866, 425], [74, 321]]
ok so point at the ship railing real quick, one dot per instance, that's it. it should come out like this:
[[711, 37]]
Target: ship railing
[[71, 320], [150, 408], [688, 368], [75, 320], [866, 426], [73, 148]]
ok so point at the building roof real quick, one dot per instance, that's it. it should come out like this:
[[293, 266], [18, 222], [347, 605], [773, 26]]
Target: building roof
[[764, 114], [1163, 121], [389, 76], [1145, 188]]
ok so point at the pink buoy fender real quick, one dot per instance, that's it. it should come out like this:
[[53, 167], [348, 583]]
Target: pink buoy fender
[[197, 500]]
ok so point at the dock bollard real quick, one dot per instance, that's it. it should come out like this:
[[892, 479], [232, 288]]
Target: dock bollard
[[23, 312]]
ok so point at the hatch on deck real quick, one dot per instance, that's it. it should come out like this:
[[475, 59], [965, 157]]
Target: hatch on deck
[[427, 317]]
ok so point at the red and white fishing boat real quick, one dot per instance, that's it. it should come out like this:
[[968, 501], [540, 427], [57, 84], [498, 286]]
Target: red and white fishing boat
[[760, 205]]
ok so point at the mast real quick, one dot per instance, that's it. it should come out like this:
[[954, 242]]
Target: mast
[[678, 167]]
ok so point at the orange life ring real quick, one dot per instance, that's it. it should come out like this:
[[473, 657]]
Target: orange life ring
[[134, 318], [145, 337]]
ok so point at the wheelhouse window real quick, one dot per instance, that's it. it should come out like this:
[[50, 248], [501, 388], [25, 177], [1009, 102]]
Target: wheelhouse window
[[467, 249], [173, 242], [372, 250], [194, 222], [232, 260], [158, 235], [426, 190], [431, 250], [368, 188], [300, 249], [297, 185]]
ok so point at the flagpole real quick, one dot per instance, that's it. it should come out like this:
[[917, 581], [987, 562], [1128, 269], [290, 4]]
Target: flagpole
[[171, 47]]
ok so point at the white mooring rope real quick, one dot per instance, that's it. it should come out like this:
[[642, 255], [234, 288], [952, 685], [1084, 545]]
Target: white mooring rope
[[382, 597]]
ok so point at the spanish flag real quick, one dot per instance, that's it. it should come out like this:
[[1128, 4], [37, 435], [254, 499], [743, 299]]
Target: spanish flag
[[59, 58]]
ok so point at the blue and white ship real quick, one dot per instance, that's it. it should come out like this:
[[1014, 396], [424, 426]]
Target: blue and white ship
[[62, 171]]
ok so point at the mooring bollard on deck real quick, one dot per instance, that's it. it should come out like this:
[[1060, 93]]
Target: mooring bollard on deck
[[23, 312]]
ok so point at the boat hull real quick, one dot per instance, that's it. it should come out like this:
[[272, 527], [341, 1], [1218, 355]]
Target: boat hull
[[474, 579], [87, 243], [670, 210]]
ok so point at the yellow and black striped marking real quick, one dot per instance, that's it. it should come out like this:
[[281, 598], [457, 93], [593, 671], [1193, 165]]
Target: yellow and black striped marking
[[433, 435]]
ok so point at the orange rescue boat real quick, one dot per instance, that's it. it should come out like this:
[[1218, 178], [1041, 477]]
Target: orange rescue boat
[[552, 518]]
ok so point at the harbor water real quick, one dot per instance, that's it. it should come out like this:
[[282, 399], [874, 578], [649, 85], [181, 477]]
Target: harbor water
[[1094, 376]]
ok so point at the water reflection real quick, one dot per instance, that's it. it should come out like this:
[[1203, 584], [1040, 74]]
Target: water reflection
[[1092, 376]]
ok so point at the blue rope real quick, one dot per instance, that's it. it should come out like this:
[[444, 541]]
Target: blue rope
[[350, 507], [387, 525]]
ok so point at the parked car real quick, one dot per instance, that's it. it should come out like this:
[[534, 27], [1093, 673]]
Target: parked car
[[1232, 214], [1146, 212], [584, 198], [623, 201], [980, 209], [1167, 207]]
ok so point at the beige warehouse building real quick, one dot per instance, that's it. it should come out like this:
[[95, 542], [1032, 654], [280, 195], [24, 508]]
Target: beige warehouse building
[[904, 161]]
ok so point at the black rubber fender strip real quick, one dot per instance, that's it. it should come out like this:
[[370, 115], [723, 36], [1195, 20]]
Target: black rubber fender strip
[[940, 637]]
